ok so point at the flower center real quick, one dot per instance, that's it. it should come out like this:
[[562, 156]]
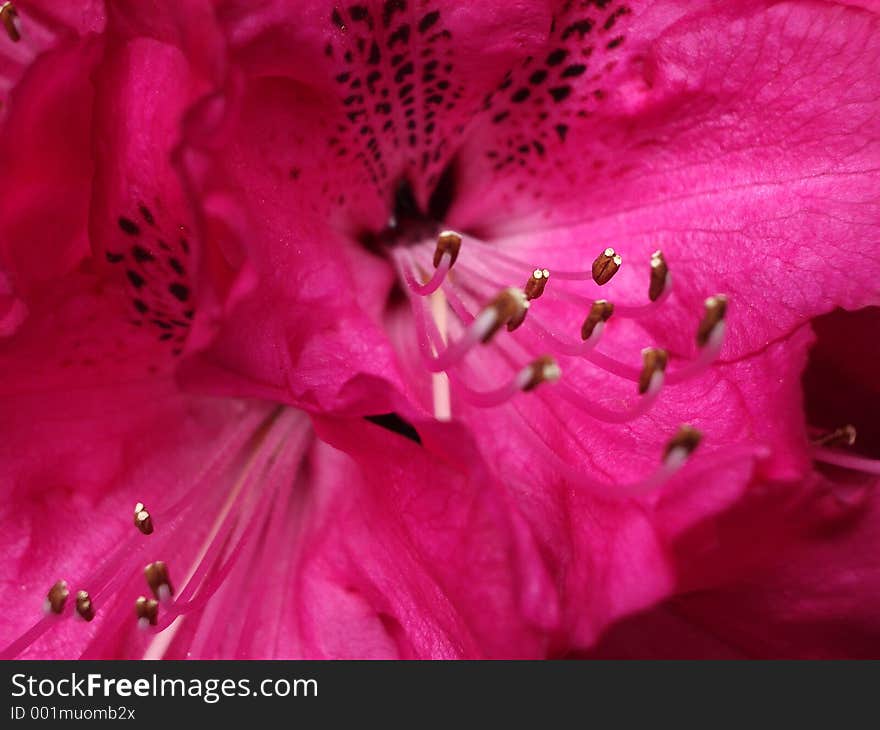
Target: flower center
[[408, 224]]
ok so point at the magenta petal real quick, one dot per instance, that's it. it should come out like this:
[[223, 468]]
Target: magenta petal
[[66, 508], [433, 541], [313, 322], [48, 167], [816, 599]]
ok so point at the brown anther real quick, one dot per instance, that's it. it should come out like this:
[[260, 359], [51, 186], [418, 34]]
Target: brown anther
[[447, 242], [601, 311], [142, 519], [543, 370], [158, 580], [9, 19], [84, 606], [147, 608], [716, 308], [57, 597], [686, 438], [605, 266], [843, 436], [510, 307], [659, 274], [653, 361], [535, 285]]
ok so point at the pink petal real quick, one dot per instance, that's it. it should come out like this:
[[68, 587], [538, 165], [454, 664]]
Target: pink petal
[[818, 598], [742, 143], [373, 60]]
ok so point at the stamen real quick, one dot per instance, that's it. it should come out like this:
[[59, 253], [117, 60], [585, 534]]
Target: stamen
[[142, 519], [147, 611], [56, 598], [575, 349], [714, 327], [681, 446], [535, 285], [605, 266], [601, 413], [542, 370], [84, 606], [600, 312], [659, 276], [157, 578], [843, 436], [454, 352], [448, 242], [716, 307], [654, 360], [847, 461], [510, 308], [9, 19], [436, 280]]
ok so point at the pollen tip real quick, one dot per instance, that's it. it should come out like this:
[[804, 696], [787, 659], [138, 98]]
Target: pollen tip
[[447, 242], [545, 369], [142, 519], [157, 578], [605, 266], [654, 361], [682, 445], [147, 611], [843, 436], [600, 311], [84, 607], [659, 276], [535, 285], [56, 598], [715, 310], [9, 19]]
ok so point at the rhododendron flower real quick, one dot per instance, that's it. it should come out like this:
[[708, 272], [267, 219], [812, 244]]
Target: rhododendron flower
[[418, 328]]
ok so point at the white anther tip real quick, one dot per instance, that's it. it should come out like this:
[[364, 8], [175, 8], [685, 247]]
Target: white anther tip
[[551, 372], [676, 458]]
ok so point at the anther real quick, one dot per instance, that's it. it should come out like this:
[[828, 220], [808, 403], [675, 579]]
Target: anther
[[147, 611], [509, 308], [158, 580], [57, 597], [543, 370], [142, 519], [535, 285], [447, 242], [683, 444], [84, 606], [843, 436], [716, 308], [9, 19], [605, 266], [653, 361], [600, 312], [659, 276]]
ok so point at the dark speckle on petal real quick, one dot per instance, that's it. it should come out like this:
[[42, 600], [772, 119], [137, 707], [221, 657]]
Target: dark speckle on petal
[[179, 291], [129, 226], [428, 21]]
